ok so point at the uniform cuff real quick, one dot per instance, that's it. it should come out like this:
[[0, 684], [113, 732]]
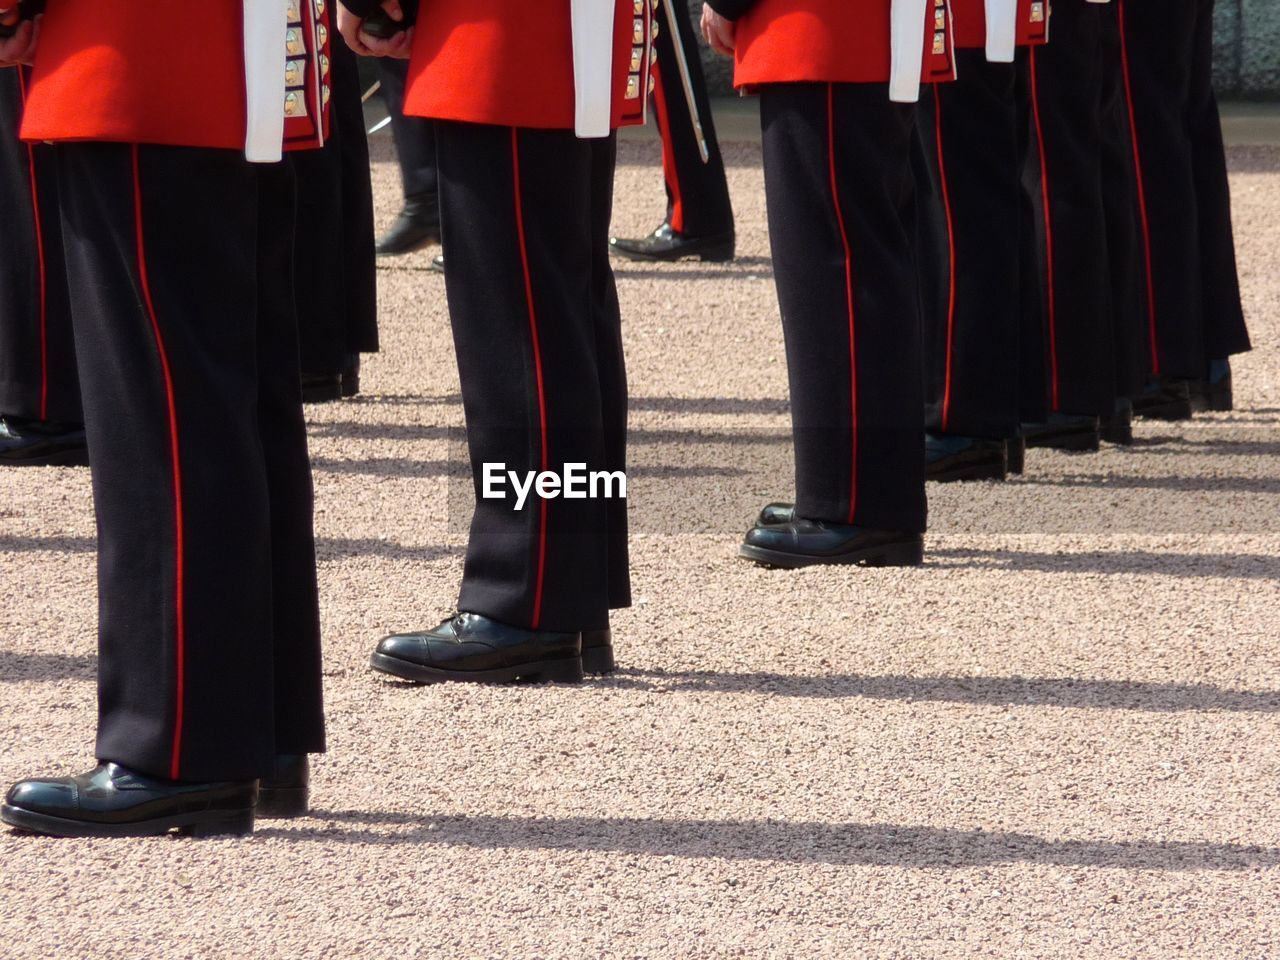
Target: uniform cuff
[[731, 9]]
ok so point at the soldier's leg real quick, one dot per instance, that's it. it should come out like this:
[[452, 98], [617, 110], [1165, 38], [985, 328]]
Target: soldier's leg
[[419, 220], [840, 219], [699, 220], [1225, 331], [969, 129], [39, 386], [1066, 86], [1129, 316], [176, 370], [1157, 43], [519, 225], [697, 190]]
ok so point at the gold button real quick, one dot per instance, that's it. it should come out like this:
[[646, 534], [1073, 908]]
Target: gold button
[[633, 86]]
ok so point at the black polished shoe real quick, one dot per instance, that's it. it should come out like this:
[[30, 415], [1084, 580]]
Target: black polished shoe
[[950, 458], [775, 513], [471, 647], [286, 793], [1064, 431], [437, 264], [351, 375], [41, 443], [1016, 453], [321, 387], [597, 651], [1164, 399], [1215, 391], [1118, 428], [669, 245], [417, 226], [113, 801], [806, 543]]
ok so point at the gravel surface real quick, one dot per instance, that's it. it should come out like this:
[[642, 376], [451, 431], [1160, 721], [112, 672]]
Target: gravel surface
[[1057, 739]]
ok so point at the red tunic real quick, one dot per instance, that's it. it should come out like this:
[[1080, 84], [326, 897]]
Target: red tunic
[[971, 23], [509, 62], [831, 41], [168, 72]]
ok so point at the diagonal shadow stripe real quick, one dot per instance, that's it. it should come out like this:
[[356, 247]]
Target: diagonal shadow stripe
[[775, 841]]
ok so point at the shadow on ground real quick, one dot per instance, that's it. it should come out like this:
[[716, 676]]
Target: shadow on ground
[[777, 841]]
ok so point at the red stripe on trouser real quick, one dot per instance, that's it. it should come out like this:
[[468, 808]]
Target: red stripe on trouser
[[670, 171], [40, 264], [537, 366], [1046, 195], [951, 256], [848, 281], [179, 545], [1142, 195]]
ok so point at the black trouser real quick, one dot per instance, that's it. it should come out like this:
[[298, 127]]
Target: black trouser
[[1186, 204], [415, 137], [337, 295], [1120, 206], [971, 254], [37, 358], [180, 269], [841, 218], [697, 193], [1072, 85], [538, 339]]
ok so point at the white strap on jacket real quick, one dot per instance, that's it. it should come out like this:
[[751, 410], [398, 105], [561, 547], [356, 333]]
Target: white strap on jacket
[[1002, 30], [266, 23], [907, 20], [592, 24]]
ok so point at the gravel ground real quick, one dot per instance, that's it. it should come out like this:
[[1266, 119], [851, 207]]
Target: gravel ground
[[1056, 739]]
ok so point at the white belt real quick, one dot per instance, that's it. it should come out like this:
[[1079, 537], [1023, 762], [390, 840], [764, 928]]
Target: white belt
[[1002, 30], [592, 25], [265, 24], [910, 22]]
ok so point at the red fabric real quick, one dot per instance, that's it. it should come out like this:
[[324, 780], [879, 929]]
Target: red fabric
[[510, 63], [971, 24], [827, 41], [141, 71]]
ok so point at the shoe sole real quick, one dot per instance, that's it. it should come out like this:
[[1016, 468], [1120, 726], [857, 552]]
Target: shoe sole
[[885, 555], [564, 670], [970, 471], [388, 254], [1121, 438], [709, 256], [598, 660], [1069, 443], [282, 803], [201, 824], [325, 394], [77, 457], [1172, 411]]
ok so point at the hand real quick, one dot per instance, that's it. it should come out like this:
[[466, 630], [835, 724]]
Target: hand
[[352, 29], [21, 47], [718, 30]]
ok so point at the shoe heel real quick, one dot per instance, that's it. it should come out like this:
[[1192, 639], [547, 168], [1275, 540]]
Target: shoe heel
[[568, 670], [598, 660], [897, 555], [234, 823], [282, 803]]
